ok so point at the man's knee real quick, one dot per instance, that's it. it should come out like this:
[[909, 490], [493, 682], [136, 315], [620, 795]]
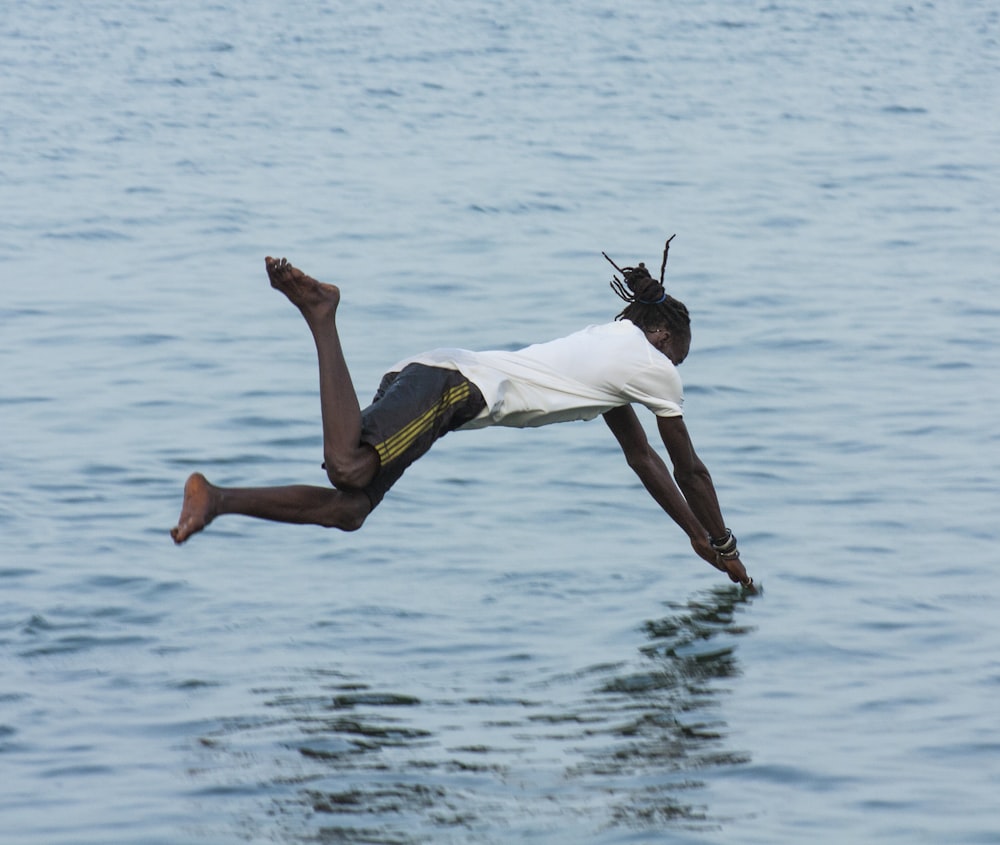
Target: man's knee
[[349, 511], [352, 521], [352, 471]]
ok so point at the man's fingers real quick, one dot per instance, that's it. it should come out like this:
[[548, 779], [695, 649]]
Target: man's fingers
[[737, 572]]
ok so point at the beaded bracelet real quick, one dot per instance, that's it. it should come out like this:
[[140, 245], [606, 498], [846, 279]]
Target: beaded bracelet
[[726, 546]]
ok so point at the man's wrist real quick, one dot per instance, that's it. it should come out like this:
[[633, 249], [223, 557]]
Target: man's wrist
[[725, 546]]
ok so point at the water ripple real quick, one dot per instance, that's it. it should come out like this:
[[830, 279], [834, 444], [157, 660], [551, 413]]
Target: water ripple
[[660, 721]]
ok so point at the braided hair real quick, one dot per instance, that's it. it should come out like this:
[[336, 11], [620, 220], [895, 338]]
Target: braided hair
[[649, 306]]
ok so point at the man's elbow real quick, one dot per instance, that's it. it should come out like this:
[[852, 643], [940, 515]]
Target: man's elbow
[[695, 474], [641, 461]]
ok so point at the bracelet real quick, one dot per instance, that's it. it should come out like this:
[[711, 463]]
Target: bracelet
[[725, 546]]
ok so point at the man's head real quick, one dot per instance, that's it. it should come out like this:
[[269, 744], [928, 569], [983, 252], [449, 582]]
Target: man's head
[[664, 319]]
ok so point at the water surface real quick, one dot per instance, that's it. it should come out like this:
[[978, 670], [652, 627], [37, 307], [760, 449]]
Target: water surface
[[518, 646]]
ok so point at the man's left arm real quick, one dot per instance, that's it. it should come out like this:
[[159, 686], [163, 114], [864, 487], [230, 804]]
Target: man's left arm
[[695, 483]]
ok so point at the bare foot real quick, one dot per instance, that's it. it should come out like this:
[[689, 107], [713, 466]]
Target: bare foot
[[198, 510], [314, 299]]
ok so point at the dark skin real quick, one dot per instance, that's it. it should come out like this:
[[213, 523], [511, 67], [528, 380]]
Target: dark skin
[[350, 464], [692, 501]]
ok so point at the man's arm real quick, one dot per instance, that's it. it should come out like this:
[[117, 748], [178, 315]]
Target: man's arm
[[655, 477], [691, 474], [695, 482]]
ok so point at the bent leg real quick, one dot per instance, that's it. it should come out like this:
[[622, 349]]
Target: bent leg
[[349, 462], [300, 504]]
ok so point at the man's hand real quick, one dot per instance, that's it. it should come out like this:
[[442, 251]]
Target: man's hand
[[704, 550], [731, 566], [736, 571]]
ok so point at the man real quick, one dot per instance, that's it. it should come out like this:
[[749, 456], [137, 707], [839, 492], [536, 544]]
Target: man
[[600, 370]]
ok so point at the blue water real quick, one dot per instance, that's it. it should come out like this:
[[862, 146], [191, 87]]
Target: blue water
[[518, 646]]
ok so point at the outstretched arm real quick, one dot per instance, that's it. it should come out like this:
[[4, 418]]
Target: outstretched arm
[[695, 482], [655, 477], [691, 474], [688, 506]]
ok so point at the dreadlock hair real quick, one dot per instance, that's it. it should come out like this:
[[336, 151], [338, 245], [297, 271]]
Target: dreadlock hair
[[649, 306]]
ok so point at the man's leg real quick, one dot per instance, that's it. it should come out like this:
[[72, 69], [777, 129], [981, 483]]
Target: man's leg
[[349, 462], [301, 504]]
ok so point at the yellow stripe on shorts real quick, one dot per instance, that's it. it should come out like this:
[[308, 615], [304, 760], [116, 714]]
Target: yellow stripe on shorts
[[392, 447]]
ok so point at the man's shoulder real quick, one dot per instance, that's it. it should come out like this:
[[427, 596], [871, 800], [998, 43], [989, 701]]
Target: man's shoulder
[[618, 331]]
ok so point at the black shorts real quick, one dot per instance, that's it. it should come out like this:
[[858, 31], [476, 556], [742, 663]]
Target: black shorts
[[412, 409]]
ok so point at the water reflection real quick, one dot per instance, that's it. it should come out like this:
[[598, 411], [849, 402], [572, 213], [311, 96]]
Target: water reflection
[[669, 731], [610, 747]]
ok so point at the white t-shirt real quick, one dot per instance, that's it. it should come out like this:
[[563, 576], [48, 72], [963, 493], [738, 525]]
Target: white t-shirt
[[574, 378]]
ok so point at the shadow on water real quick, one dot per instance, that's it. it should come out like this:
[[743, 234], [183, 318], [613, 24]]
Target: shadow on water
[[610, 748]]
